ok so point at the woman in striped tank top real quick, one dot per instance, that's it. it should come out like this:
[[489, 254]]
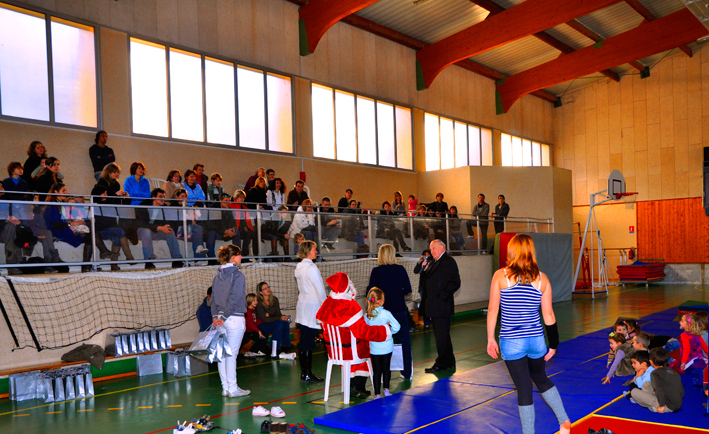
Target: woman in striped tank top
[[520, 289]]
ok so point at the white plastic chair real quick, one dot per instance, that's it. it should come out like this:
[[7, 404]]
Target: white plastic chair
[[336, 348]]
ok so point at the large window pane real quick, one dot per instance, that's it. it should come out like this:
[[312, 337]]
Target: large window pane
[[526, 153], [486, 146], [252, 111], [433, 143], [221, 102], [404, 158], [323, 122], [280, 113], [345, 130], [517, 152], [474, 145], [366, 131], [186, 95], [74, 68], [385, 134], [546, 158], [23, 64], [148, 87], [506, 149], [461, 144], [536, 154], [447, 144]]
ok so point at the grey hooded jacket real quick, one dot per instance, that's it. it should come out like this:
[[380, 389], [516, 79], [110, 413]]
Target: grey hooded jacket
[[228, 292]]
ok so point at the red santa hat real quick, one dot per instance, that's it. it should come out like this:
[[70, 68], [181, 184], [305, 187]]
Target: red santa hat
[[342, 286]]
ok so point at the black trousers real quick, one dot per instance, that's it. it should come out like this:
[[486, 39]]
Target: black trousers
[[258, 345], [307, 337], [380, 366], [444, 346], [524, 371]]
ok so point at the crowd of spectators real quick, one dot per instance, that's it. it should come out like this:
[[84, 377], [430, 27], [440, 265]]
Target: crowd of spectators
[[56, 214]]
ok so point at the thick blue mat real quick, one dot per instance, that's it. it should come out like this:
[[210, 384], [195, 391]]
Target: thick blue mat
[[692, 414]]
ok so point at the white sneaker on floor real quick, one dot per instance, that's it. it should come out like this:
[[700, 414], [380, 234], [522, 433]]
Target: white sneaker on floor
[[260, 411], [249, 355], [287, 356], [259, 354], [277, 412], [200, 249], [225, 393], [386, 392], [239, 392]]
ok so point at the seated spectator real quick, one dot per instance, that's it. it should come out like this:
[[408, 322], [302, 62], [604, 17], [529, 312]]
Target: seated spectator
[[276, 230], [33, 217], [438, 205], [194, 191], [224, 228], [330, 225], [215, 191], [297, 240], [109, 181], [101, 154], [154, 227], [413, 204], [244, 224], [172, 183], [201, 177], [256, 197], [344, 201], [136, 185], [14, 183], [398, 206], [36, 153], [454, 226], [64, 227], [304, 221], [253, 333], [275, 196], [260, 173], [195, 232], [297, 195], [270, 176], [107, 229], [8, 234], [386, 228], [439, 226], [422, 228], [48, 176], [204, 312], [352, 226], [273, 322]]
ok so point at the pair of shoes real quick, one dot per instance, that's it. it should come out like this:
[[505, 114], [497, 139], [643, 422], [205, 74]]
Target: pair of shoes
[[260, 411], [277, 412], [239, 392], [386, 392], [250, 355], [200, 249]]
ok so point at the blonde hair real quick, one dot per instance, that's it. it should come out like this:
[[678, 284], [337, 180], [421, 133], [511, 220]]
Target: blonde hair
[[694, 324], [226, 252], [107, 170], [305, 248], [260, 179], [522, 259], [298, 237], [373, 294], [306, 202], [387, 254], [250, 299], [239, 193]]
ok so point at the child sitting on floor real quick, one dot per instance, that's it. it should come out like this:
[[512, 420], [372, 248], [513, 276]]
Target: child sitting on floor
[[253, 333], [623, 350], [641, 342], [643, 369], [632, 327], [664, 392], [693, 349], [618, 328]]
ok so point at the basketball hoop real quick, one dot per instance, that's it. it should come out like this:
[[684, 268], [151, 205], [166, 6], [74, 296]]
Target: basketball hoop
[[629, 198]]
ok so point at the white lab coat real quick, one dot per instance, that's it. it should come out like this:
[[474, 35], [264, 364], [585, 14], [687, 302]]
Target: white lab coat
[[311, 293]]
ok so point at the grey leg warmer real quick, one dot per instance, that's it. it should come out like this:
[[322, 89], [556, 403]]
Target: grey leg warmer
[[553, 400], [526, 416]]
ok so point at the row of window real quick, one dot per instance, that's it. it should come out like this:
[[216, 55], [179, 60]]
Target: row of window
[[349, 127], [47, 68], [520, 152], [452, 144]]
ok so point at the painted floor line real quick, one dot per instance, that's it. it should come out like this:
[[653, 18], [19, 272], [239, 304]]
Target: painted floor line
[[174, 406], [53, 412]]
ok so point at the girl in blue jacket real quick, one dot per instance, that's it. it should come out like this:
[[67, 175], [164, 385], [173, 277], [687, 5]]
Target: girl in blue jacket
[[380, 351]]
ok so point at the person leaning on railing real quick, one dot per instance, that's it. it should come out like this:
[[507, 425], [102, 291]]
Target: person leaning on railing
[[153, 226], [224, 228], [71, 229]]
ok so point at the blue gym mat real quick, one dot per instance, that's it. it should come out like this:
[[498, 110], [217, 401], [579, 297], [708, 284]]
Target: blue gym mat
[[483, 400]]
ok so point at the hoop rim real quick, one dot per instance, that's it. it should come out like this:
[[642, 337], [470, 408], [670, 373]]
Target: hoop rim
[[618, 196]]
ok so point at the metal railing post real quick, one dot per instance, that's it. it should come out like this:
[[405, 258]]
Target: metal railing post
[[184, 232], [257, 242], [411, 230], [92, 215], [448, 235], [369, 233]]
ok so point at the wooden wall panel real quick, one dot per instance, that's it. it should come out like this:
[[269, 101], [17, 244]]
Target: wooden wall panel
[[676, 230]]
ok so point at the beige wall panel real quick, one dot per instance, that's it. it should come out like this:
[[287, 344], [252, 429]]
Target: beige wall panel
[[628, 150], [641, 175], [696, 159], [168, 30], [591, 133], [630, 184], [562, 196], [260, 33], [579, 119], [679, 92], [705, 87], [666, 122], [303, 118], [668, 173], [369, 65], [277, 45], [245, 30], [461, 188], [592, 173], [681, 146], [98, 12], [334, 66], [616, 162], [694, 117], [146, 18], [226, 28], [121, 14], [580, 193], [626, 103], [664, 73], [679, 62], [602, 118], [580, 158], [705, 129], [694, 72], [115, 81], [50, 5], [208, 37], [640, 121], [614, 128], [347, 64], [603, 155], [70, 7], [639, 91], [590, 96], [602, 94], [291, 38], [652, 89], [681, 184], [613, 92], [654, 187]]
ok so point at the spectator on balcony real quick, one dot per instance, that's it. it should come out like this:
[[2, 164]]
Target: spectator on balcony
[[244, 224], [386, 228], [101, 154], [297, 195], [454, 226], [344, 202], [275, 196], [352, 226], [481, 211], [36, 153], [256, 197], [14, 185], [304, 221], [107, 228], [137, 185], [502, 210], [422, 226], [65, 227], [224, 228], [260, 173], [398, 206], [48, 176], [215, 191], [195, 232], [194, 191], [330, 225], [173, 182], [201, 177], [438, 205], [154, 227], [270, 177], [109, 181]]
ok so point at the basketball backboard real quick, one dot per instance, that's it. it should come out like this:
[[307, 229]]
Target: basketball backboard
[[616, 184]]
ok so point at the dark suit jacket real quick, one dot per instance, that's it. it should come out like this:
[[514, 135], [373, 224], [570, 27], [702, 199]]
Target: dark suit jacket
[[442, 280]]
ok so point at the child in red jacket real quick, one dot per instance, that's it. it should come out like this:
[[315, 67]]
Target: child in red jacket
[[252, 331]]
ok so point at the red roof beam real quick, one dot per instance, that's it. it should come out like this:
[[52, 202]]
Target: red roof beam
[[642, 10], [317, 16], [595, 37], [650, 37]]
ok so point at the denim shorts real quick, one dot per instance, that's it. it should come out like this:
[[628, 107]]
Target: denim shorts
[[513, 349]]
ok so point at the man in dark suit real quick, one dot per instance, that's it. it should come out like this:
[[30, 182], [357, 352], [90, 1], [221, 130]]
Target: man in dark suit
[[442, 280]]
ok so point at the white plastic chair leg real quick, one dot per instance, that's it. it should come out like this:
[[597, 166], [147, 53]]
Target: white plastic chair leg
[[327, 379], [346, 382]]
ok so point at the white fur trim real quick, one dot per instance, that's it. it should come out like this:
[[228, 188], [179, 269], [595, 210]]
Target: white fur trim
[[354, 319], [341, 295], [389, 336]]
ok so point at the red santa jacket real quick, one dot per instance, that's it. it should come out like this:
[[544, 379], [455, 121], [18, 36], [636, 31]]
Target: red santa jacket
[[348, 316]]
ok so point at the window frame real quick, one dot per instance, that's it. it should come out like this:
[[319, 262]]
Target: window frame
[[48, 15], [376, 127], [236, 64], [531, 143], [467, 124]]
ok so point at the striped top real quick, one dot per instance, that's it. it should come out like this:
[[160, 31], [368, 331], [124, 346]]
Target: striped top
[[520, 311]]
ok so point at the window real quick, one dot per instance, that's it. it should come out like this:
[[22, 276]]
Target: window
[[520, 152], [25, 80], [450, 143], [234, 105], [349, 127]]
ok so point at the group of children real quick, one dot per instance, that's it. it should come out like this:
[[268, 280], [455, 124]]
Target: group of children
[[657, 384]]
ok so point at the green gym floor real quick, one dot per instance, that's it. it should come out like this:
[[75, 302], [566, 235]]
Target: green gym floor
[[155, 403]]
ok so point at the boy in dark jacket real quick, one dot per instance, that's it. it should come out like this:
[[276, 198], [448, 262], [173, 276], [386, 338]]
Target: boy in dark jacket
[[664, 393], [204, 312]]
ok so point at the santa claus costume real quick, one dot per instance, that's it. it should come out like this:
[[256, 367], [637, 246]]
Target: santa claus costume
[[340, 309]]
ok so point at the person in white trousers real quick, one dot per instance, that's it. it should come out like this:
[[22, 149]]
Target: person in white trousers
[[228, 314]]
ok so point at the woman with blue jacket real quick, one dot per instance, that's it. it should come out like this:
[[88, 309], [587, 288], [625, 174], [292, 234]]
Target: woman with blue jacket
[[228, 313], [137, 185]]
